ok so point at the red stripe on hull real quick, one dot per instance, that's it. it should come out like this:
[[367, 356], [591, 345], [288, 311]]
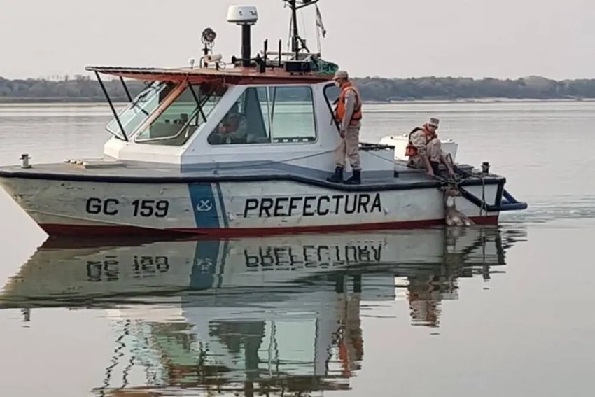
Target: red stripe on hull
[[55, 229]]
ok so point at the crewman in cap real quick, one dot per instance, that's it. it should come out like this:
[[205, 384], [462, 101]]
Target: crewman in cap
[[348, 114], [425, 150]]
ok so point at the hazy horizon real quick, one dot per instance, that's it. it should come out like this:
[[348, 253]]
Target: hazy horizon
[[507, 39]]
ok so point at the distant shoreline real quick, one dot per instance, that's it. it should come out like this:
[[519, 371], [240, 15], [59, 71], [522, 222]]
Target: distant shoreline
[[103, 102], [81, 89]]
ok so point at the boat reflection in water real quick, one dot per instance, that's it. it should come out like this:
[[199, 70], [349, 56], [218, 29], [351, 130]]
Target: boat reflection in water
[[279, 314]]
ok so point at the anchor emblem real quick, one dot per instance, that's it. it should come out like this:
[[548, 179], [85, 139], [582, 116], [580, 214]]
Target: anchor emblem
[[204, 205]]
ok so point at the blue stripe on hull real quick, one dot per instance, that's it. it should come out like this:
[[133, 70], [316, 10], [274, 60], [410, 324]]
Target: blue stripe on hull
[[204, 205]]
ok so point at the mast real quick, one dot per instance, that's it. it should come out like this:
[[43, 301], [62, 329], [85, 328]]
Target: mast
[[296, 41], [294, 35]]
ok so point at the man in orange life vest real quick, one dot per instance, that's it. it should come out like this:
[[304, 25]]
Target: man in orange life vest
[[348, 114], [425, 150]]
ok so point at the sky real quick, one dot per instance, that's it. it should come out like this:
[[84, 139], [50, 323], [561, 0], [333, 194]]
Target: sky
[[388, 38]]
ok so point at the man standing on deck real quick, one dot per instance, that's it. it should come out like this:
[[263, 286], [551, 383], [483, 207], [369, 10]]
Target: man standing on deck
[[348, 114]]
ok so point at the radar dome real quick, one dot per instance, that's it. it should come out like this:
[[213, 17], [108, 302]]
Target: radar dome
[[242, 15]]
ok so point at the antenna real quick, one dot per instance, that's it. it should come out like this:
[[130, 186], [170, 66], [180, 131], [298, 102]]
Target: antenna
[[296, 40]]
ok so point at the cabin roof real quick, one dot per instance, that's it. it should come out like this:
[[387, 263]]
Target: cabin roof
[[237, 75]]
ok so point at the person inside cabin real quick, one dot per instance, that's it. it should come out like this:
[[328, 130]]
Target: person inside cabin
[[425, 150], [231, 129], [348, 114]]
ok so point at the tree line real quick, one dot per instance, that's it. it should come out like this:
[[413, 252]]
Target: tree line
[[377, 89]]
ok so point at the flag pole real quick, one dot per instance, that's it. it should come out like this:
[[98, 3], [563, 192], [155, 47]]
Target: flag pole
[[319, 28]]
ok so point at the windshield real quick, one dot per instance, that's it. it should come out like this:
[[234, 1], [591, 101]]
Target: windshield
[[139, 110], [186, 113]]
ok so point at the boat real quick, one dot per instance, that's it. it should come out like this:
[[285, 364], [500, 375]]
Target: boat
[[238, 149], [279, 313]]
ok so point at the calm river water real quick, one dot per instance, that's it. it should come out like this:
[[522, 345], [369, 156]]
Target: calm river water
[[477, 312]]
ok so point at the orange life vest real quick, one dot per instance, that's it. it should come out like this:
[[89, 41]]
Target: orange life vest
[[411, 150], [357, 109]]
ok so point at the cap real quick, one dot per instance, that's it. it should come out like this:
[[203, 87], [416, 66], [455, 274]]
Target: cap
[[434, 122], [341, 74]]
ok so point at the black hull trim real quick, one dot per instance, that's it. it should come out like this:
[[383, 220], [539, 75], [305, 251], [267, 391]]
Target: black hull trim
[[504, 201], [375, 184]]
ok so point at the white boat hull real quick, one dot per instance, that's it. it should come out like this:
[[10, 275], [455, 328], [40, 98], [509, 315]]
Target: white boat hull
[[231, 208]]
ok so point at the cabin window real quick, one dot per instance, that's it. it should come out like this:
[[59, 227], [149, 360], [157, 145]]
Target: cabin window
[[145, 103], [331, 93], [178, 122], [292, 114], [283, 114], [245, 122]]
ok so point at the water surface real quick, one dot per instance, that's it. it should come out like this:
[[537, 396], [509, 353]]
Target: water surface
[[479, 311]]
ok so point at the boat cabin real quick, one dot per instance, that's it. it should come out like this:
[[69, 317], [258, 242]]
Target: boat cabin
[[275, 107]]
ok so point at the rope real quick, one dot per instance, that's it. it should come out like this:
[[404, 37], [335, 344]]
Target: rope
[[267, 162], [382, 158]]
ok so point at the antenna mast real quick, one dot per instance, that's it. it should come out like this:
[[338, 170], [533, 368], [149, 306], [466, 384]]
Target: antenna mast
[[294, 33], [296, 40]]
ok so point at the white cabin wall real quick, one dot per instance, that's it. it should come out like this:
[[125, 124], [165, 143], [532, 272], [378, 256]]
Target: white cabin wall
[[317, 155], [112, 148], [131, 151], [328, 136]]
